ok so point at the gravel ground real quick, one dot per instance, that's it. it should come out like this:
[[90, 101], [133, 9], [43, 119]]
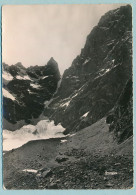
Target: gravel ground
[[90, 159]]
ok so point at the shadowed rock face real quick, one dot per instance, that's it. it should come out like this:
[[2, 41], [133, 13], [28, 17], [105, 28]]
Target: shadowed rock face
[[92, 85], [121, 118], [30, 88]]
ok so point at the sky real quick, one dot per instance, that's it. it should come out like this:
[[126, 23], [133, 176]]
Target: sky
[[32, 34]]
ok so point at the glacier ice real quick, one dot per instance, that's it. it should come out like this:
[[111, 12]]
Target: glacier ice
[[44, 129]]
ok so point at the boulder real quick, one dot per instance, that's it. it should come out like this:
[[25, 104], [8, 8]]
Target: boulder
[[60, 159]]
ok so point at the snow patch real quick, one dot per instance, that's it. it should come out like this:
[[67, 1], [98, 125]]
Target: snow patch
[[64, 140], [86, 61], [74, 95], [65, 104], [35, 86], [71, 135], [104, 71], [85, 115], [107, 70], [26, 77], [68, 102], [113, 61], [45, 77], [46, 103], [81, 88], [30, 92], [43, 130], [7, 94], [19, 77], [7, 76]]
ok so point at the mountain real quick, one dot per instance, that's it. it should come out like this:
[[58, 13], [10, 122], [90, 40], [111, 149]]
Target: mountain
[[92, 103], [90, 88], [25, 91], [92, 85]]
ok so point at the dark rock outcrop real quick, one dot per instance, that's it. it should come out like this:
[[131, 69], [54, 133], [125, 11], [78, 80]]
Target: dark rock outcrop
[[121, 118], [92, 85], [26, 90], [61, 159]]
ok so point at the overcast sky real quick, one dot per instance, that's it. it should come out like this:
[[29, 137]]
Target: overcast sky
[[32, 34]]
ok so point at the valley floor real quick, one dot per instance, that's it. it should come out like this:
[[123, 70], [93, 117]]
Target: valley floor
[[89, 159]]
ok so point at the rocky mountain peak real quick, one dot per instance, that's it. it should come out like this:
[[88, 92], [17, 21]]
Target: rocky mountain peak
[[52, 63], [19, 65], [52, 68], [91, 86], [25, 90]]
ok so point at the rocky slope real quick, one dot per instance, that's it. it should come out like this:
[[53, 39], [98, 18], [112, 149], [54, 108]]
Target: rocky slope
[[92, 85], [71, 162], [25, 90]]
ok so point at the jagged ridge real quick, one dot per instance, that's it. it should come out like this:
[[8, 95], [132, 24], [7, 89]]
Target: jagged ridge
[[92, 85], [26, 90]]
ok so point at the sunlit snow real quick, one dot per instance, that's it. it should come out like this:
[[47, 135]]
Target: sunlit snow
[[19, 77], [64, 140], [7, 76], [107, 70], [35, 86], [68, 102], [74, 95], [26, 77], [85, 115], [65, 104], [86, 61], [7, 94], [45, 77], [30, 92], [71, 135]]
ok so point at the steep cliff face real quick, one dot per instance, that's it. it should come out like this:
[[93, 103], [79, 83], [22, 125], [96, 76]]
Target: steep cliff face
[[92, 85], [121, 117], [26, 89]]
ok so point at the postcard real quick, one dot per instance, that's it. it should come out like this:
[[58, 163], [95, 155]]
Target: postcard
[[67, 96]]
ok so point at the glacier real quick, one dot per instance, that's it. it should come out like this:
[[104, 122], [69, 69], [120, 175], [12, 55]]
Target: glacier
[[44, 129]]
